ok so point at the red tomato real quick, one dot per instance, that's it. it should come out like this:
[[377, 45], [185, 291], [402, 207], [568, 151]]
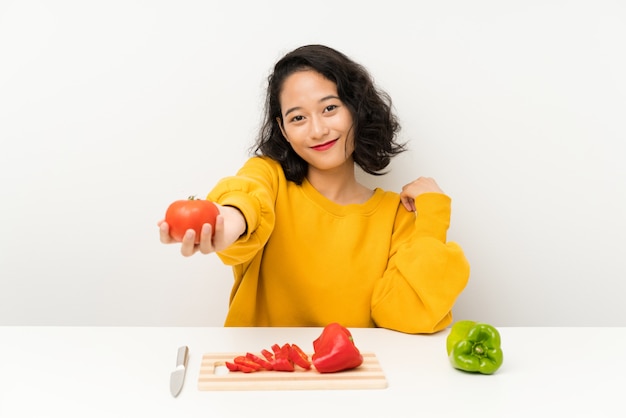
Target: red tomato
[[190, 214]]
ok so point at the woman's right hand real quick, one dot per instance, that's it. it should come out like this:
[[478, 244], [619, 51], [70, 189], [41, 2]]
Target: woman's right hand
[[229, 226], [415, 188]]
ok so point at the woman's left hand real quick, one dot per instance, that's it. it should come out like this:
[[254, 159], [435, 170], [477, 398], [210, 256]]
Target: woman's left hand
[[417, 187]]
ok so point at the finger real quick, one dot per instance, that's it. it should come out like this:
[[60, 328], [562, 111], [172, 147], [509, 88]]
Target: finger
[[206, 239], [219, 225], [218, 237], [188, 246], [409, 204], [164, 233]]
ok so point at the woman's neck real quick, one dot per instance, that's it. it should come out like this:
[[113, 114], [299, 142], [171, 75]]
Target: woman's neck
[[339, 185]]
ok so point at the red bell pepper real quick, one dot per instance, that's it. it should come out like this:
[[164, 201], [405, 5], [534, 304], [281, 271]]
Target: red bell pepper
[[261, 361], [282, 362], [232, 366], [247, 363], [299, 357], [268, 355], [236, 367], [334, 350]]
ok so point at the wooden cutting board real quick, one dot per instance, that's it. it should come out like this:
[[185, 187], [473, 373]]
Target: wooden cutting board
[[215, 376]]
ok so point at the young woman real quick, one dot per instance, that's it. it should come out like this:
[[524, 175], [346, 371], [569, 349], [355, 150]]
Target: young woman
[[308, 243]]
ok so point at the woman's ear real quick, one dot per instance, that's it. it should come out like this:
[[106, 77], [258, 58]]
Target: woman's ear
[[282, 130]]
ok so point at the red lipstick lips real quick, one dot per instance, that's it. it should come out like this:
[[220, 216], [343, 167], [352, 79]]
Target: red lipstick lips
[[325, 145]]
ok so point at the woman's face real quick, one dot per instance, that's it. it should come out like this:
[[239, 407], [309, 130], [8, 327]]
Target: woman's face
[[315, 121]]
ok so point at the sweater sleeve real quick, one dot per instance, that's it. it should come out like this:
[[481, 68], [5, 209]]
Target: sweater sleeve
[[425, 274], [253, 191]]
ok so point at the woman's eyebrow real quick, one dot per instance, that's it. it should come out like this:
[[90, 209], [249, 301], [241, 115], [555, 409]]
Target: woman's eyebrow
[[323, 99], [293, 109]]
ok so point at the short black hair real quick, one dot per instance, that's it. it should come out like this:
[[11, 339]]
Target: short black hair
[[375, 124]]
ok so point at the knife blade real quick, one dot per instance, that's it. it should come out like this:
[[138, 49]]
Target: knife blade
[[177, 378]]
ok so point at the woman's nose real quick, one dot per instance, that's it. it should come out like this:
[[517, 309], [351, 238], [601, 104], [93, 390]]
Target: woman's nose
[[318, 128]]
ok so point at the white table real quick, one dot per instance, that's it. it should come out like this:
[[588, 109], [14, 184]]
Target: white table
[[124, 372]]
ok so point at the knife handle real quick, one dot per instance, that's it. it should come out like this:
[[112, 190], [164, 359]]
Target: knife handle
[[181, 358]]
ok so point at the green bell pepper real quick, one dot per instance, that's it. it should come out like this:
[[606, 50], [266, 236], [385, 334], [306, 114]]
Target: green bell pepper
[[474, 347]]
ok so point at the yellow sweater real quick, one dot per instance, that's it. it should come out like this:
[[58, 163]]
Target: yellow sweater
[[307, 261]]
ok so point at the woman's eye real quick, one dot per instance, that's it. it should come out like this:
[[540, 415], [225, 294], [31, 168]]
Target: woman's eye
[[297, 118], [330, 108]]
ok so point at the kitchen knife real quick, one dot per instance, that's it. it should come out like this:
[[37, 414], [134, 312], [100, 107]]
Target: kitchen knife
[[178, 376]]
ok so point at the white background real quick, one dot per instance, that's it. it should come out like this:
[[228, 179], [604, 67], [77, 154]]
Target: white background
[[110, 110]]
